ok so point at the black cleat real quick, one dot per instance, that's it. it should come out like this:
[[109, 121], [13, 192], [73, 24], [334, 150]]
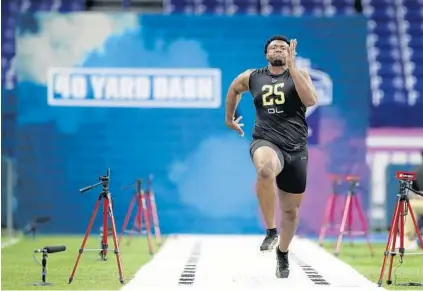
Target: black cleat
[[269, 241], [282, 264]]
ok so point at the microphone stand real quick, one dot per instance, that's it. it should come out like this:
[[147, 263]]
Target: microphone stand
[[43, 270]]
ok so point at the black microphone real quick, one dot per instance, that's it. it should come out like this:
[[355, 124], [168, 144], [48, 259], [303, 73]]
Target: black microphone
[[51, 249], [46, 250]]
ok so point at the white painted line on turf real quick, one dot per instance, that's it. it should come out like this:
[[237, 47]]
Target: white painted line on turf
[[235, 263], [165, 267], [9, 243], [337, 272]]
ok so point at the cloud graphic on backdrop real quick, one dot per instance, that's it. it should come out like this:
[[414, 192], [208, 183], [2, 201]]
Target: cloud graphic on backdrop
[[157, 51], [66, 40], [187, 53], [93, 40], [217, 179]]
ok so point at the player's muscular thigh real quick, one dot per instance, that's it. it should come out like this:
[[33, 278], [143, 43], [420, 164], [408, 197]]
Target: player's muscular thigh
[[267, 163]]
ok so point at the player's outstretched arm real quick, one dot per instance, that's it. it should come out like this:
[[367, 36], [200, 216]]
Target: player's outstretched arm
[[238, 86]]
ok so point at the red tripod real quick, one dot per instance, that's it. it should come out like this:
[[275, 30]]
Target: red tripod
[[347, 216], [402, 209], [142, 212], [107, 212], [151, 202], [329, 215]]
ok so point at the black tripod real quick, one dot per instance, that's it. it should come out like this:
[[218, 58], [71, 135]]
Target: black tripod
[[105, 195]]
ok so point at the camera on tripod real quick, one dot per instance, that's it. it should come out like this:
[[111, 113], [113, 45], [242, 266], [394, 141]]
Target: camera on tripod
[[406, 176], [106, 197], [105, 179]]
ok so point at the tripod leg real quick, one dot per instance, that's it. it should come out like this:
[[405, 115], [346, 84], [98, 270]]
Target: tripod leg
[[401, 228], [350, 219], [326, 218], [137, 224], [139, 214], [104, 245], [343, 224], [147, 224], [363, 223], [128, 215], [116, 244], [392, 234], [413, 217], [153, 209], [84, 241], [332, 211], [399, 217]]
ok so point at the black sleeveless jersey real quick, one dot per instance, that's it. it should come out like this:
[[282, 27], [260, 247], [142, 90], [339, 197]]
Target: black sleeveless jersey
[[280, 114]]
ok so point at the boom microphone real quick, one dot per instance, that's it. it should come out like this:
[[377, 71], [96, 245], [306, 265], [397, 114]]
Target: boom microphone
[[51, 249], [46, 250]]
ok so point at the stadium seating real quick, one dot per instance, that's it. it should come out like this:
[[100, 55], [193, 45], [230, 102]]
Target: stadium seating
[[411, 29], [384, 53], [394, 40]]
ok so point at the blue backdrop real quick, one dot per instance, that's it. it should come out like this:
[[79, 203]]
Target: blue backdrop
[[68, 134]]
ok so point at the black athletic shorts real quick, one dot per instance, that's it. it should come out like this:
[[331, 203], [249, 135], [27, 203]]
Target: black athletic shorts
[[293, 177]]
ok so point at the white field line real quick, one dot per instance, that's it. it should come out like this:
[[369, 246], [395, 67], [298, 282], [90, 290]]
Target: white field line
[[235, 263], [9, 242]]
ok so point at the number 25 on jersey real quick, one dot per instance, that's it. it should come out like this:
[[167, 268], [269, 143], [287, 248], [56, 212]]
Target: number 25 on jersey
[[273, 94]]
